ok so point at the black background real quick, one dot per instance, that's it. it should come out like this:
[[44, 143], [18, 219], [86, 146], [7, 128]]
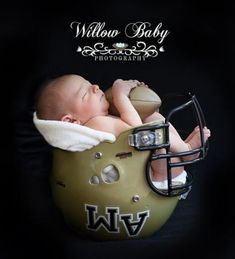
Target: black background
[[37, 42]]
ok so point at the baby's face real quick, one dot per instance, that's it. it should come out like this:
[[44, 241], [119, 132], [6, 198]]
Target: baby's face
[[86, 99]]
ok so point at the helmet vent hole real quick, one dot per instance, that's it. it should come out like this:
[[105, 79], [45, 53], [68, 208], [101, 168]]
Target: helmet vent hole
[[94, 180], [110, 174]]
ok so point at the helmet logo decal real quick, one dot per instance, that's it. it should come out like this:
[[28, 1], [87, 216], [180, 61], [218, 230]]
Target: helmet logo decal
[[109, 224], [110, 221], [132, 227]]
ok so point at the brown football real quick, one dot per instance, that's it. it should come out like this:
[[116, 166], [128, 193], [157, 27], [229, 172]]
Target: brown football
[[145, 101]]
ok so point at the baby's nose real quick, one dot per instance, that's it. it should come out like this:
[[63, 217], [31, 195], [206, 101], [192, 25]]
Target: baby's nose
[[95, 88]]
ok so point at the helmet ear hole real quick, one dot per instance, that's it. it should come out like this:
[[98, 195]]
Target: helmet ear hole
[[94, 180], [110, 174]]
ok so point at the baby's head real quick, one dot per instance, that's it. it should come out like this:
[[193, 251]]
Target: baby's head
[[71, 98]]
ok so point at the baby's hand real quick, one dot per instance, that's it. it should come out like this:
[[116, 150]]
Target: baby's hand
[[123, 87]]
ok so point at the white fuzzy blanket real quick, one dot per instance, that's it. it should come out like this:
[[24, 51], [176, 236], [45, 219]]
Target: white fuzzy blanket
[[70, 136]]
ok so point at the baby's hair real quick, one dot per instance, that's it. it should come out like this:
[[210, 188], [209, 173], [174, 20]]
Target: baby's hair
[[49, 101]]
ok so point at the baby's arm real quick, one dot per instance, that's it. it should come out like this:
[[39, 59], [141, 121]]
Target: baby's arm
[[120, 92]]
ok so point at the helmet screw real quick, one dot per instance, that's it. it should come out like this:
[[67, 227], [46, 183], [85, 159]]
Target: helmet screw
[[145, 138], [98, 155], [135, 198]]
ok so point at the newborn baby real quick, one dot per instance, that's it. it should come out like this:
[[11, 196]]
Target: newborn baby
[[71, 98]]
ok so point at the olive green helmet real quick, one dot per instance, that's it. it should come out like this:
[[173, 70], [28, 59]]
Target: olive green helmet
[[107, 192], [103, 192]]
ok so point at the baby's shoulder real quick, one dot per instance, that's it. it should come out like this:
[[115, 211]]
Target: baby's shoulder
[[101, 122], [101, 119], [107, 123]]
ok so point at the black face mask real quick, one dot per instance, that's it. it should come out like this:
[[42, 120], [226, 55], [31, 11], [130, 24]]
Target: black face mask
[[155, 137]]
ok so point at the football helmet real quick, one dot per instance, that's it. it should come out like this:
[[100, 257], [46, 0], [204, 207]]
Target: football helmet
[[108, 193]]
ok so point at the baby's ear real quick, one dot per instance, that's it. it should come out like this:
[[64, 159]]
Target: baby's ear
[[69, 118]]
